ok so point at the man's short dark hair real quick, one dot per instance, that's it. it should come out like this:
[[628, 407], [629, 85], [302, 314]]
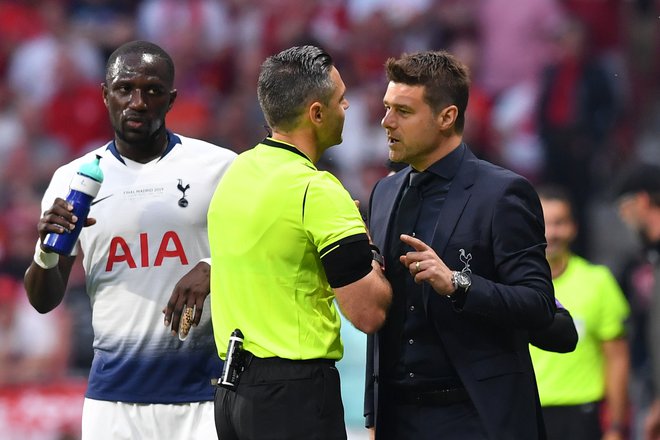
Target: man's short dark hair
[[639, 177], [291, 80], [140, 47], [446, 80]]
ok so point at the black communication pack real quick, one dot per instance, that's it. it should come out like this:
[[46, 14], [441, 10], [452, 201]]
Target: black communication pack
[[234, 364]]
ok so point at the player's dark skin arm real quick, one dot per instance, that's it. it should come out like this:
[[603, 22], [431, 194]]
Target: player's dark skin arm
[[192, 289], [45, 287]]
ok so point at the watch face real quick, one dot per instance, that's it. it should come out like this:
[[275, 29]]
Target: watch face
[[463, 280]]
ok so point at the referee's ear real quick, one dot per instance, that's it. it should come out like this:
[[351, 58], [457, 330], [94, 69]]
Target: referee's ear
[[316, 112]]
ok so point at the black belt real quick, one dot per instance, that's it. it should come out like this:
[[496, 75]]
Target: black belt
[[247, 360], [250, 359], [434, 397]]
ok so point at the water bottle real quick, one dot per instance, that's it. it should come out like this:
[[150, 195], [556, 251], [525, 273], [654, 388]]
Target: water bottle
[[84, 187]]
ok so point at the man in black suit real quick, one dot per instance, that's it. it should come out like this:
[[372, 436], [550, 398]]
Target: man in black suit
[[465, 254]]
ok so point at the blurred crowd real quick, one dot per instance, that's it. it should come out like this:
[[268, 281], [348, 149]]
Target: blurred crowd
[[564, 91]]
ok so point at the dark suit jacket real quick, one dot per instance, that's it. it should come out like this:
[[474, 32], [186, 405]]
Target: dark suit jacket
[[560, 336], [492, 220]]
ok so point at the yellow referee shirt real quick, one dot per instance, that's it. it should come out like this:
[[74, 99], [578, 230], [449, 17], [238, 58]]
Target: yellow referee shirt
[[272, 217], [599, 309]]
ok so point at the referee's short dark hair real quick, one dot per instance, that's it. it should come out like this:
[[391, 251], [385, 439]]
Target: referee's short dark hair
[[292, 79]]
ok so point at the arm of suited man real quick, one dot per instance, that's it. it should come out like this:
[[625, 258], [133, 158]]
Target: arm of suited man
[[560, 336]]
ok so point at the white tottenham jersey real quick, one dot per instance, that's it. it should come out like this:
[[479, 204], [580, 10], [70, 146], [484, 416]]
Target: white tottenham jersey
[[150, 231]]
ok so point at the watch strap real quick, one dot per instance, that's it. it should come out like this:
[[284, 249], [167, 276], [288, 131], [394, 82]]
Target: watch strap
[[376, 255]]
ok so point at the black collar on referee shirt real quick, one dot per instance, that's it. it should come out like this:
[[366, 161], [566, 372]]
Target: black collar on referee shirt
[[278, 144], [172, 140]]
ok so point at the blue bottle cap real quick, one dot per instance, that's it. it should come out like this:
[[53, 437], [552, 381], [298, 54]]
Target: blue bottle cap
[[92, 169]]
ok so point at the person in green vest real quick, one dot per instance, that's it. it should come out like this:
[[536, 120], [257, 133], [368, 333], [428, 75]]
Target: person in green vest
[[573, 386]]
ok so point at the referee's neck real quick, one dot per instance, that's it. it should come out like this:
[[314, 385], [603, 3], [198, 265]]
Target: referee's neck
[[302, 141]]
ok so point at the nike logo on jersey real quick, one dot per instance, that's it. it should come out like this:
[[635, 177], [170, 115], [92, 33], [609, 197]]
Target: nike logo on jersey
[[100, 200]]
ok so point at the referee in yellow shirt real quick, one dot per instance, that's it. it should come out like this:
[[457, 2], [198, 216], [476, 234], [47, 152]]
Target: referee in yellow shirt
[[286, 241]]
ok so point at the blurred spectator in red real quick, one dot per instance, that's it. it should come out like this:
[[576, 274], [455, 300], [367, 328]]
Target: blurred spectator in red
[[19, 21], [515, 40], [200, 26], [199, 35], [330, 25], [515, 45], [34, 154], [604, 20], [22, 206], [371, 43], [239, 123], [75, 114], [11, 133], [397, 12], [286, 22], [451, 20], [34, 348], [247, 52], [33, 66], [576, 113], [605, 26], [190, 117], [478, 127], [107, 23], [515, 135]]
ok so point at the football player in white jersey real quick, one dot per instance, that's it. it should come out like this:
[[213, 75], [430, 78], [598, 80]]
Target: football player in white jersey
[[142, 251]]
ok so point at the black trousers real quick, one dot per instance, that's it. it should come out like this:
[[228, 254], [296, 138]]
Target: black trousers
[[574, 422], [282, 399], [403, 420]]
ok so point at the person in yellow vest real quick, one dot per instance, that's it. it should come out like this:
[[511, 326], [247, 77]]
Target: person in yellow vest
[[287, 240], [573, 386]]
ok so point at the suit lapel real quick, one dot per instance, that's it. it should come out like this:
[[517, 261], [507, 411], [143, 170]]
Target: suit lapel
[[385, 195], [452, 209], [382, 203]]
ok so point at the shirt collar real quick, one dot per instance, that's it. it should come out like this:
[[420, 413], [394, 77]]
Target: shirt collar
[[448, 165], [172, 140], [279, 144]]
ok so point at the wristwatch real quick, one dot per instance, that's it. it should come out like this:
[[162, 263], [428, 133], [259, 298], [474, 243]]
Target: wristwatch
[[461, 280], [376, 255]]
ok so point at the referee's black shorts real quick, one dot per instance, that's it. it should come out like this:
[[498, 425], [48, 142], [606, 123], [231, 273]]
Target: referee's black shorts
[[573, 422], [282, 399]]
